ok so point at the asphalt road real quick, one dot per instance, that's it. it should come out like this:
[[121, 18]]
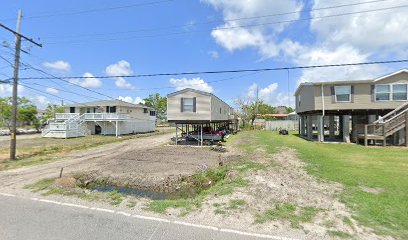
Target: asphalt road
[[36, 220]]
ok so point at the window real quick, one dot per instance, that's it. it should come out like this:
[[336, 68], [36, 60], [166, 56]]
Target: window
[[399, 92], [111, 109], [144, 110], [152, 113], [72, 109], [299, 100], [188, 104], [343, 93], [382, 92]]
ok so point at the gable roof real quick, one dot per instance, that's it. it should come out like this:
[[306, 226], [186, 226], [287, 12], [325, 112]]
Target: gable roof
[[349, 81], [103, 103], [196, 91]]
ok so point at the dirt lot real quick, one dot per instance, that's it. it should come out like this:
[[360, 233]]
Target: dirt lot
[[147, 163]]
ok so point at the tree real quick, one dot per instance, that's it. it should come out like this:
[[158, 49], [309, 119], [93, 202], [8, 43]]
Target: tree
[[159, 103], [26, 111], [50, 112], [247, 109]]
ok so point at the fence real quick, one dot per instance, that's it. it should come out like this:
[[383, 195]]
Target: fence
[[282, 124]]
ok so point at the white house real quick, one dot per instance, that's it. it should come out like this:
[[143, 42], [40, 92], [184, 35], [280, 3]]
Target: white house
[[108, 117]]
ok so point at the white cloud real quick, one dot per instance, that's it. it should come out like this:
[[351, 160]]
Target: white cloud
[[261, 35], [7, 89], [269, 94], [88, 82], [52, 90], [136, 100], [214, 54], [60, 66], [195, 83], [40, 101], [375, 31], [121, 68]]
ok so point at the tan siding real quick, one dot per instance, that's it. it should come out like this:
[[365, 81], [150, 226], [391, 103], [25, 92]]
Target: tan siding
[[202, 107], [216, 104], [362, 98], [307, 99]]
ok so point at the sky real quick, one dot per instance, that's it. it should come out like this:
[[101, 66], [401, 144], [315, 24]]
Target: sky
[[123, 37]]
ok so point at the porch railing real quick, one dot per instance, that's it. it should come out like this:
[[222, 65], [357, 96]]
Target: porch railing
[[92, 116]]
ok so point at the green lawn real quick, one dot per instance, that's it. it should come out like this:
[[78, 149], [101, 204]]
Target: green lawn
[[384, 169]]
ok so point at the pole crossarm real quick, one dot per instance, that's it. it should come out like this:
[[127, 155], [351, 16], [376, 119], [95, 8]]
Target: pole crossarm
[[21, 35]]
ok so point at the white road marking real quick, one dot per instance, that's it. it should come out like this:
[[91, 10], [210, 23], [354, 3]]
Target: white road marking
[[7, 195], [124, 213], [103, 210], [151, 218], [74, 205], [196, 225], [49, 201], [158, 219], [255, 234]]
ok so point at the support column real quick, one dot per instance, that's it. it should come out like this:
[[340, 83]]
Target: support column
[[346, 128], [201, 134], [406, 129], [302, 125], [354, 133], [309, 127], [117, 128], [331, 127], [176, 133], [320, 128]]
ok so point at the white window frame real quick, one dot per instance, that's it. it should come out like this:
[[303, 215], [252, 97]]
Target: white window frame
[[184, 105], [391, 92], [335, 94]]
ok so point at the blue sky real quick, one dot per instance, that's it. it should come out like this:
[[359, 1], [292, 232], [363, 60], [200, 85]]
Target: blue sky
[[85, 38]]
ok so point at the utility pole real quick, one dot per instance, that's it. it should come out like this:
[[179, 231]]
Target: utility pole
[[13, 140]]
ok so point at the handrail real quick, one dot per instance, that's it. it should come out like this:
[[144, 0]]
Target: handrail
[[393, 112]]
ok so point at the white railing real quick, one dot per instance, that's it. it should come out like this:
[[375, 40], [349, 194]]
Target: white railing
[[65, 116], [91, 116]]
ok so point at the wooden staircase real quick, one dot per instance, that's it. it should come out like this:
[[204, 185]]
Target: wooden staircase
[[387, 126]]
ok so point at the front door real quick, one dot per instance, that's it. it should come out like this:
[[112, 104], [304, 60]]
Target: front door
[[98, 130]]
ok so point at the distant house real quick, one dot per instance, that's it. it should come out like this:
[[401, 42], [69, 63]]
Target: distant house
[[374, 110], [202, 111], [108, 117]]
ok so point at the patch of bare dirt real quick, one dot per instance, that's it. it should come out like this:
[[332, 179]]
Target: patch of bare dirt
[[288, 181]]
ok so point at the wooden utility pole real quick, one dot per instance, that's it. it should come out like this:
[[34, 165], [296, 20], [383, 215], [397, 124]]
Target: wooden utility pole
[[13, 134], [19, 36]]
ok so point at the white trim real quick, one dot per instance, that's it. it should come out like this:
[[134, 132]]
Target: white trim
[[391, 74], [335, 94], [391, 92]]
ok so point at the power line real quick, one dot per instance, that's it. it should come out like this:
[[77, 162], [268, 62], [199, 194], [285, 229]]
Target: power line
[[226, 71], [63, 79], [232, 27], [217, 21], [93, 10]]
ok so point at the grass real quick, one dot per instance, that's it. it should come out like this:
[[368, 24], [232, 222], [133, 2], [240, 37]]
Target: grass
[[44, 150], [339, 234], [236, 203], [355, 166], [287, 211], [37, 151], [115, 197], [40, 185]]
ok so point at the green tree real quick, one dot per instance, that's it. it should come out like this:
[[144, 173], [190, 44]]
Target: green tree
[[26, 111], [50, 112], [159, 103]]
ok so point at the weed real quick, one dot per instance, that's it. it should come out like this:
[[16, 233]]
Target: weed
[[40, 185], [236, 203], [219, 211], [115, 197], [339, 234]]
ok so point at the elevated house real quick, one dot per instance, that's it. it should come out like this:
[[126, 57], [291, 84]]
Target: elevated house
[[108, 117], [199, 115], [367, 110]]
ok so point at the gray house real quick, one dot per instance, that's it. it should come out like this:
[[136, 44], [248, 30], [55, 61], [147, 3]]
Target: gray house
[[369, 110], [198, 114]]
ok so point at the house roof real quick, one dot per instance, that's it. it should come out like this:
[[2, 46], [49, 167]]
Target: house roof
[[196, 91], [274, 115], [348, 81], [115, 102]]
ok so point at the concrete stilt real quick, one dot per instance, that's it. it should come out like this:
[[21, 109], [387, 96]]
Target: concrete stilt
[[309, 126], [320, 128], [331, 127], [346, 128]]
